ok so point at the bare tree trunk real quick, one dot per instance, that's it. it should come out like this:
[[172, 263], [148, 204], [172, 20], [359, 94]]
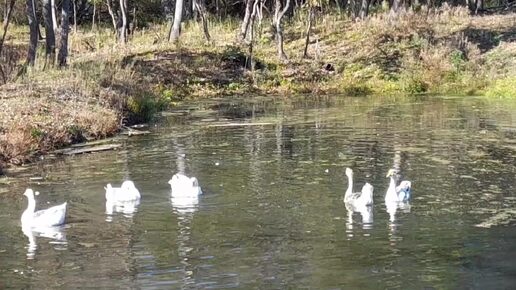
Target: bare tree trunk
[[308, 29], [249, 61], [7, 19], [112, 14], [175, 30], [353, 8], [33, 33], [38, 31], [65, 28], [201, 10], [133, 24], [364, 9], [479, 6], [75, 16], [247, 16], [94, 14], [54, 17], [50, 40], [278, 15], [123, 29], [259, 14]]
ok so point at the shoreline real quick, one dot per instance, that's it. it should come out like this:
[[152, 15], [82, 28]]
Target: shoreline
[[114, 86]]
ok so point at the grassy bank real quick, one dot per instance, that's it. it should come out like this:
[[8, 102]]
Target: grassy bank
[[443, 51]]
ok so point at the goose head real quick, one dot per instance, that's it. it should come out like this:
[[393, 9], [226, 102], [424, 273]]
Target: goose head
[[183, 185], [405, 185], [391, 173], [128, 185], [174, 179], [349, 172], [182, 180], [29, 193], [130, 189]]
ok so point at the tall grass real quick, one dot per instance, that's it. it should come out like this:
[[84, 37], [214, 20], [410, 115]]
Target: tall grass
[[441, 50]]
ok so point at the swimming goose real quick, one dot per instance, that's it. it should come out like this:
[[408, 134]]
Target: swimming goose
[[400, 193], [126, 192], [183, 186], [363, 198], [49, 217]]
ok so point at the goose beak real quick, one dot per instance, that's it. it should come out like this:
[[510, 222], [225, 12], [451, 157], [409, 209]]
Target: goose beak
[[390, 173]]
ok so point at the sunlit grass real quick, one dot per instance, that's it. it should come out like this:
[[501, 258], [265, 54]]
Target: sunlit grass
[[443, 51]]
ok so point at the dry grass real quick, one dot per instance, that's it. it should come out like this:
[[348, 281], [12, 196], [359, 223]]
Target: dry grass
[[106, 84], [441, 50], [46, 119]]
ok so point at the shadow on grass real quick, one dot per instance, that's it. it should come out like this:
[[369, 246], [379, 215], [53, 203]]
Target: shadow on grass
[[487, 39], [186, 68]]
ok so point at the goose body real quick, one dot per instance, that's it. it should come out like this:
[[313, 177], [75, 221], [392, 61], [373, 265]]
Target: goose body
[[400, 193], [49, 217], [125, 193], [124, 199], [403, 190], [184, 187], [358, 199]]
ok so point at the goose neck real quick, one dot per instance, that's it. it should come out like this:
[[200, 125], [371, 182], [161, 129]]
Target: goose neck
[[31, 207], [391, 191], [350, 187]]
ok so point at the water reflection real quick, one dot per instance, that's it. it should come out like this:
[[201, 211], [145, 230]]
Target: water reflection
[[392, 209], [184, 204], [127, 208], [366, 212], [184, 208], [271, 222], [55, 234]]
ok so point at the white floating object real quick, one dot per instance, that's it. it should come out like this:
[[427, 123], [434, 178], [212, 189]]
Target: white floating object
[[184, 186], [49, 217]]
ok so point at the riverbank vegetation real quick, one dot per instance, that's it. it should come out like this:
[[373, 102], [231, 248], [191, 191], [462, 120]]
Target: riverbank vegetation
[[122, 61]]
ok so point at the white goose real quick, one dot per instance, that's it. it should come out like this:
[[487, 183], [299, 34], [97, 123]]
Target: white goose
[[400, 193], [184, 187], [124, 199], [358, 199], [49, 217], [125, 193]]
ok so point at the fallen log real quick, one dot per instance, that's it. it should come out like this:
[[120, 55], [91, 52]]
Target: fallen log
[[86, 149]]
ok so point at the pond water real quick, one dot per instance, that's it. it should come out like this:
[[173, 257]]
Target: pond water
[[272, 216]]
